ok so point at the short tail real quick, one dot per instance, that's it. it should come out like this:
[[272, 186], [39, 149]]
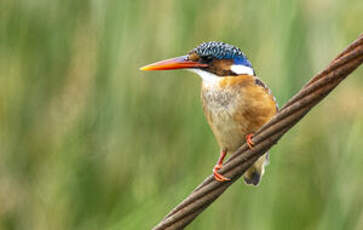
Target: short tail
[[254, 174]]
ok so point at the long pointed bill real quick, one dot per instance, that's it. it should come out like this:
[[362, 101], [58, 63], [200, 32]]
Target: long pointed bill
[[173, 63]]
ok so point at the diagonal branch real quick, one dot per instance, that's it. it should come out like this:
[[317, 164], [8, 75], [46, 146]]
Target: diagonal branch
[[267, 136]]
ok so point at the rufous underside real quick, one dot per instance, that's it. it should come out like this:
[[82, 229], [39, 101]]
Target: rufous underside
[[236, 106]]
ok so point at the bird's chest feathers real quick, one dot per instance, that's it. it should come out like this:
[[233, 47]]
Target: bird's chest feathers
[[217, 100], [222, 98], [223, 104]]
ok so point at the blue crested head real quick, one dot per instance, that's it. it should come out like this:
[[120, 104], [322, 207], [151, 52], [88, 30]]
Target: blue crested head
[[221, 59], [221, 51]]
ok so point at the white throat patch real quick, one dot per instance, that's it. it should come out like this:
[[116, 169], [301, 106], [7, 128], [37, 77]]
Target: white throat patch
[[242, 69], [207, 77]]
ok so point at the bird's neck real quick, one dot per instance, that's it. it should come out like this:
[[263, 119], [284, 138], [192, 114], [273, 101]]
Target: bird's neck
[[208, 79], [211, 80]]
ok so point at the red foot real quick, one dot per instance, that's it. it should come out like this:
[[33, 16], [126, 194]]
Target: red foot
[[219, 177], [249, 140]]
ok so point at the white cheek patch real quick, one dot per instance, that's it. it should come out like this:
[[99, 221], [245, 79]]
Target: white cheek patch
[[242, 69], [207, 77]]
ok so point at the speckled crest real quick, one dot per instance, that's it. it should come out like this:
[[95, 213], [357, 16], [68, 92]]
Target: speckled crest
[[221, 50]]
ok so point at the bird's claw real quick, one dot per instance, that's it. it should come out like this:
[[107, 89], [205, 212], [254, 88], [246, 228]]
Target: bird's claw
[[219, 177], [249, 141]]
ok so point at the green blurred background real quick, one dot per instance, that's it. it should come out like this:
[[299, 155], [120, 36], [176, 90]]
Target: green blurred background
[[87, 141]]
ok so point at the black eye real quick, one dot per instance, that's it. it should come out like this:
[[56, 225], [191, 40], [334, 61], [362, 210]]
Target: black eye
[[206, 59]]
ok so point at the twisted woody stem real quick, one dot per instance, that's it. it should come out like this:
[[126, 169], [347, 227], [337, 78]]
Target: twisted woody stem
[[267, 136]]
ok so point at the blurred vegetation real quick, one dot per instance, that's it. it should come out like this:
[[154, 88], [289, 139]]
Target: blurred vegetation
[[87, 141]]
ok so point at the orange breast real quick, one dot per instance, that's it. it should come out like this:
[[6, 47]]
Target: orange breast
[[235, 107], [259, 107]]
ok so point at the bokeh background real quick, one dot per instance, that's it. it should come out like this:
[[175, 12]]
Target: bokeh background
[[87, 141]]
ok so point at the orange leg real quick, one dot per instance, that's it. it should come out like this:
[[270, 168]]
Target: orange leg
[[249, 140], [219, 165]]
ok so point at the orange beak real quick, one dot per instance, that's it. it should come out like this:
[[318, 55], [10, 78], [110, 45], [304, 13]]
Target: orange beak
[[173, 63]]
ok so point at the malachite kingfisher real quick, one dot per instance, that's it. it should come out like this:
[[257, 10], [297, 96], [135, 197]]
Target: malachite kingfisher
[[235, 101]]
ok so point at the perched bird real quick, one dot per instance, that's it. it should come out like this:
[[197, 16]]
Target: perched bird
[[235, 102]]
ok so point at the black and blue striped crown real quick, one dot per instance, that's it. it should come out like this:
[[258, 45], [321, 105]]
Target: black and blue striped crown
[[221, 50]]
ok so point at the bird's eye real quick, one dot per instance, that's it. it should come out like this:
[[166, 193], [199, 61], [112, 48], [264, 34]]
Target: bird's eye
[[206, 60]]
